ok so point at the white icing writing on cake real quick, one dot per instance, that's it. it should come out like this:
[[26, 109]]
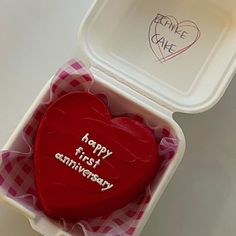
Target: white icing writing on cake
[[86, 173], [98, 149]]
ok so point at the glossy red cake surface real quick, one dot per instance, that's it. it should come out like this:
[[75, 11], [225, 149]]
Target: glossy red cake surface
[[87, 163]]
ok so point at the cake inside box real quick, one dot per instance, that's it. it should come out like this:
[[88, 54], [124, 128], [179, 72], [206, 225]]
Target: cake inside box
[[17, 168], [176, 51]]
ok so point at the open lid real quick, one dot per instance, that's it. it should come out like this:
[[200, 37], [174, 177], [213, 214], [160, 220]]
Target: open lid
[[180, 53]]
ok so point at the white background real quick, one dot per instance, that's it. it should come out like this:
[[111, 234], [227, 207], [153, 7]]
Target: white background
[[36, 37]]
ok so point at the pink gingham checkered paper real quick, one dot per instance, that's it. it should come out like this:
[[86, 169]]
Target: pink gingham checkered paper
[[17, 173]]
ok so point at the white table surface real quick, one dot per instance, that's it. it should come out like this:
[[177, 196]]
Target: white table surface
[[36, 37]]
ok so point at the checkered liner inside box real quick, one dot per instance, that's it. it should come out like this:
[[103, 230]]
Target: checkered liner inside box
[[16, 168]]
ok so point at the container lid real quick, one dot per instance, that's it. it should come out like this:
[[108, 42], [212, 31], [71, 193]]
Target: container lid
[[179, 53]]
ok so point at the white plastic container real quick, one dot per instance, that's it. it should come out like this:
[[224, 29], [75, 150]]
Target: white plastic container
[[156, 57]]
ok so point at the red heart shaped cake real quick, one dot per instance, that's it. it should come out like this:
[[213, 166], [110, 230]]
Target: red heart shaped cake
[[87, 163]]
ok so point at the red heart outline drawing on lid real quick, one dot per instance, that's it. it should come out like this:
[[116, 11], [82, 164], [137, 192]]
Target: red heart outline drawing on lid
[[169, 38]]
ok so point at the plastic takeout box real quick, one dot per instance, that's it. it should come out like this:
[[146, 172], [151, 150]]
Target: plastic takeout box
[[158, 57]]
